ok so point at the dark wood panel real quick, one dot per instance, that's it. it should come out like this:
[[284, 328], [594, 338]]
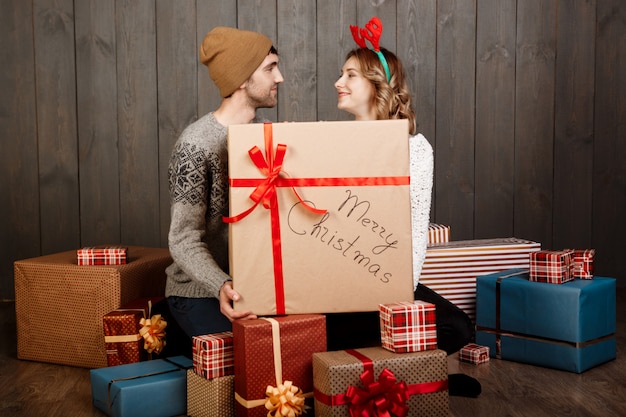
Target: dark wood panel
[[609, 169], [19, 183], [177, 71], [56, 124], [534, 120], [454, 146], [260, 16], [298, 98], [495, 118], [96, 90], [573, 119], [138, 125]]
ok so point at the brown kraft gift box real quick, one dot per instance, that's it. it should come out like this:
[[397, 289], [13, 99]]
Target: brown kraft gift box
[[286, 258], [264, 347], [210, 397], [59, 305], [342, 379]]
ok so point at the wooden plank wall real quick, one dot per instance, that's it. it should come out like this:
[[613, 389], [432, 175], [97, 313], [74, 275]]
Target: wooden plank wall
[[524, 103]]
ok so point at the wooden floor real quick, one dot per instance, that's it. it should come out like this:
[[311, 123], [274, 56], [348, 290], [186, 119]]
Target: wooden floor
[[31, 389]]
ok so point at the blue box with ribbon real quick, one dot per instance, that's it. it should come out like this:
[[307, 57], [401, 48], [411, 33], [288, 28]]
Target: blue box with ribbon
[[569, 326], [156, 388]]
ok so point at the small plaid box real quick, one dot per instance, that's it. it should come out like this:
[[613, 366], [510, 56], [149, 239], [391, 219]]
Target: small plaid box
[[213, 355], [108, 255], [438, 233], [408, 326], [583, 263], [474, 353], [553, 267]]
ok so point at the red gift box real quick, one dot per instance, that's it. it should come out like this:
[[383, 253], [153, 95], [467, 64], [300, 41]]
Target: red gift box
[[274, 352], [408, 326], [108, 255], [121, 328], [474, 353], [583, 263], [553, 267], [213, 355]]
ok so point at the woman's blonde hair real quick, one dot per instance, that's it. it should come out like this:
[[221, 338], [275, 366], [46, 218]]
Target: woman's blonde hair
[[392, 100]]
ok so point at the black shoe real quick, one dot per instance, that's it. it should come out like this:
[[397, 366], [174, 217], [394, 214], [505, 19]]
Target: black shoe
[[461, 385]]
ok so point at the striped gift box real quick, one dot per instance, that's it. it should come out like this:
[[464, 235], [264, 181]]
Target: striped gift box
[[108, 255], [408, 326], [451, 268], [213, 355], [474, 353], [438, 233], [583, 263], [551, 266]]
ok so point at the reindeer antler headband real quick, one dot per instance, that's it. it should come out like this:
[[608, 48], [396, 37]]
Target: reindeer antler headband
[[371, 32]]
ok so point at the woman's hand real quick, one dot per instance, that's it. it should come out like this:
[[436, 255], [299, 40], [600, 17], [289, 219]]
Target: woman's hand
[[227, 296]]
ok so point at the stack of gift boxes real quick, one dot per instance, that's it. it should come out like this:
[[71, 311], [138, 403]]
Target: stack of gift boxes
[[326, 241]]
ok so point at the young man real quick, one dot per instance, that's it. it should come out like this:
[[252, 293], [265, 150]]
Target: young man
[[244, 67]]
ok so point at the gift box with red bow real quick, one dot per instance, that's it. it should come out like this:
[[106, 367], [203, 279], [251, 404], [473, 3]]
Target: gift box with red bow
[[408, 326], [123, 342], [583, 263], [213, 355], [210, 397], [319, 205], [474, 353], [107, 255], [273, 368], [376, 382], [551, 266]]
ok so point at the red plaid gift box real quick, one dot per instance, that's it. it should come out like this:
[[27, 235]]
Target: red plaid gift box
[[408, 326], [553, 267], [583, 263], [108, 255], [213, 355], [474, 353]]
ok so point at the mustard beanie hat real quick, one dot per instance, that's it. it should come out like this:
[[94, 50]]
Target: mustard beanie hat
[[232, 55]]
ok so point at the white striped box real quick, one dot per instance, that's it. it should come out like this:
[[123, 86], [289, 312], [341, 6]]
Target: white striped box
[[438, 233], [451, 268]]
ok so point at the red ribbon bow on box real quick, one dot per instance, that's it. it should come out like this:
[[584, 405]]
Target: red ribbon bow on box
[[382, 398]]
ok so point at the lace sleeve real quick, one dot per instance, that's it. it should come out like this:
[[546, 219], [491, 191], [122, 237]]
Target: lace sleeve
[[421, 172]]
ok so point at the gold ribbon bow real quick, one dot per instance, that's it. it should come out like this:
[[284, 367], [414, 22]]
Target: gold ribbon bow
[[284, 400], [153, 333]]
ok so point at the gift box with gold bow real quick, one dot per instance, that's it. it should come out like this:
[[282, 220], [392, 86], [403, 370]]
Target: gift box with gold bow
[[122, 338], [273, 369], [375, 382]]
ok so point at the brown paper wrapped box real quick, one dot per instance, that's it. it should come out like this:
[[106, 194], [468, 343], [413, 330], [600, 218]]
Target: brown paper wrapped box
[[59, 304], [287, 259], [422, 376], [265, 346], [210, 397]]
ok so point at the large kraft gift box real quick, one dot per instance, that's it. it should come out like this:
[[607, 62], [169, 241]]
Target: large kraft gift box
[[156, 388], [59, 304], [569, 326], [271, 351], [352, 382], [286, 258], [451, 268]]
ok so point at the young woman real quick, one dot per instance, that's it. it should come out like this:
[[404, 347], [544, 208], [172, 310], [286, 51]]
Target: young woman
[[372, 86]]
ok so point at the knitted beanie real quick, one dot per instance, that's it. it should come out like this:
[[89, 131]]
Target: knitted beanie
[[232, 55]]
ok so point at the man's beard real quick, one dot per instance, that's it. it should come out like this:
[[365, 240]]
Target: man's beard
[[261, 101]]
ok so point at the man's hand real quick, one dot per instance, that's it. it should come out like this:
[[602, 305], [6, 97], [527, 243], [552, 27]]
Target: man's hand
[[227, 296]]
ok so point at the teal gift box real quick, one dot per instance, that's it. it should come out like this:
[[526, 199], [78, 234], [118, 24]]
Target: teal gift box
[[156, 388], [570, 326]]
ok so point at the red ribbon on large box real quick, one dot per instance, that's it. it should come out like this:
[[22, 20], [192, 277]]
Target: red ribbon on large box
[[265, 193], [382, 397]]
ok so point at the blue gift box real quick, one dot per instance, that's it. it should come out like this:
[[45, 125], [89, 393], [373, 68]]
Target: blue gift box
[[156, 388], [568, 326]]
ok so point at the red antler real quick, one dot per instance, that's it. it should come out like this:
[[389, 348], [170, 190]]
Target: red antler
[[372, 32]]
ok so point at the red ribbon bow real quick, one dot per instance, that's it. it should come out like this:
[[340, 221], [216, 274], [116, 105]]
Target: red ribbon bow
[[372, 32], [382, 398]]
